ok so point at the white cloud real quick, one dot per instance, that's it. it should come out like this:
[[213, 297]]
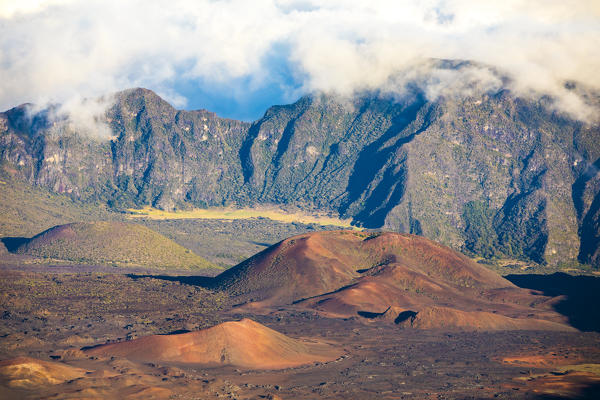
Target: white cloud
[[10, 9], [86, 116], [57, 50]]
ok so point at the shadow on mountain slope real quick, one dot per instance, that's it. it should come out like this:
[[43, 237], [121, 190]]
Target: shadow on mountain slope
[[206, 282], [582, 296], [589, 392], [12, 243], [379, 159]]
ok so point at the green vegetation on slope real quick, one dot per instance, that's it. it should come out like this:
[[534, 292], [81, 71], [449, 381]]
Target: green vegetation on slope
[[479, 230], [408, 166], [26, 210], [112, 243]]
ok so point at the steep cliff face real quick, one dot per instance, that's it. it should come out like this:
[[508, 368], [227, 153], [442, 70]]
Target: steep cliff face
[[586, 197], [492, 153], [157, 155], [50, 153], [327, 153], [163, 157], [419, 167], [495, 174]]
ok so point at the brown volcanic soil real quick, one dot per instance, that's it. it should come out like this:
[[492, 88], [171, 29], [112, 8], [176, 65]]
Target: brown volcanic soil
[[347, 274], [53, 314], [244, 343], [449, 318], [298, 267], [25, 372], [382, 285], [316, 263], [568, 374]]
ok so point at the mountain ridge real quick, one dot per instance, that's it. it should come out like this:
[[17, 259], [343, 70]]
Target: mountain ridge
[[493, 174]]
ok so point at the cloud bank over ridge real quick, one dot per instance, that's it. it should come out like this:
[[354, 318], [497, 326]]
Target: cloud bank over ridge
[[60, 50]]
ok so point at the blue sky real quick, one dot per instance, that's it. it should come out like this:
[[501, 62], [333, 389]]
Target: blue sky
[[249, 105], [245, 98], [238, 57]]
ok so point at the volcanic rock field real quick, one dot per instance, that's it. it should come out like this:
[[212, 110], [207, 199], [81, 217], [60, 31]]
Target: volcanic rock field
[[330, 314]]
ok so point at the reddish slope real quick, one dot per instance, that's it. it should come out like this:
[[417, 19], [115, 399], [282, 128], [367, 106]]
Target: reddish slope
[[316, 263], [345, 274], [449, 318], [298, 267], [245, 344]]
